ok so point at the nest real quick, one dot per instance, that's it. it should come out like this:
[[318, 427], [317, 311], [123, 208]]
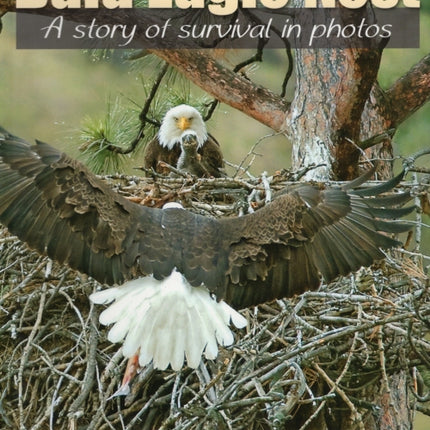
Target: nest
[[298, 358]]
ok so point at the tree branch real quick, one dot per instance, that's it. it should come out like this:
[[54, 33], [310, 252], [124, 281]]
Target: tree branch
[[409, 92], [228, 87], [198, 66]]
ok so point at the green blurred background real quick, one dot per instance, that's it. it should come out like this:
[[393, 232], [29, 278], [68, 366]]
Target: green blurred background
[[50, 94]]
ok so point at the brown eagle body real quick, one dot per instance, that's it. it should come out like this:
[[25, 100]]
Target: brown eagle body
[[166, 146], [55, 205]]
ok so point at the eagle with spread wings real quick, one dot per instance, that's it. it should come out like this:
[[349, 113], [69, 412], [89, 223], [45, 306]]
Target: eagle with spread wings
[[166, 145], [175, 277]]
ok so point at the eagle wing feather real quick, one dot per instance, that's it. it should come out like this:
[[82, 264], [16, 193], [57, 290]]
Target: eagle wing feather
[[59, 208], [154, 153]]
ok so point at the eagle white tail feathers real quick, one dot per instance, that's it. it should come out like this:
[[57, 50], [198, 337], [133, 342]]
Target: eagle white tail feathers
[[167, 320]]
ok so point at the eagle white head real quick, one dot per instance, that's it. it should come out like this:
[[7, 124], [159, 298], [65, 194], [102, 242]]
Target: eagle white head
[[176, 121]]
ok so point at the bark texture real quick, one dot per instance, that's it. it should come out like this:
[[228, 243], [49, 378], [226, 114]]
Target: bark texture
[[229, 87], [325, 117]]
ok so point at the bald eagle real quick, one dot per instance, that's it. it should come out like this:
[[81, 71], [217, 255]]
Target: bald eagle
[[175, 277], [166, 146]]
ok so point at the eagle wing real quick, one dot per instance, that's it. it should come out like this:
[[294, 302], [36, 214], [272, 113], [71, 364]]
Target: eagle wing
[[55, 205], [285, 247], [59, 208]]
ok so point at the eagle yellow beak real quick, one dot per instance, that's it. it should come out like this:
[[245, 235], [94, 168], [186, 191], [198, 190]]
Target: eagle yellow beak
[[184, 123]]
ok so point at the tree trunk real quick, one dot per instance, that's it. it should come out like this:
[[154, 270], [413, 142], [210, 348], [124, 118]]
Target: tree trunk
[[333, 111], [325, 116]]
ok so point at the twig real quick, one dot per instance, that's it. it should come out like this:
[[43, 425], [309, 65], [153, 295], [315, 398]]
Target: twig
[[252, 154], [88, 381], [326, 327], [142, 116], [333, 385], [25, 356]]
